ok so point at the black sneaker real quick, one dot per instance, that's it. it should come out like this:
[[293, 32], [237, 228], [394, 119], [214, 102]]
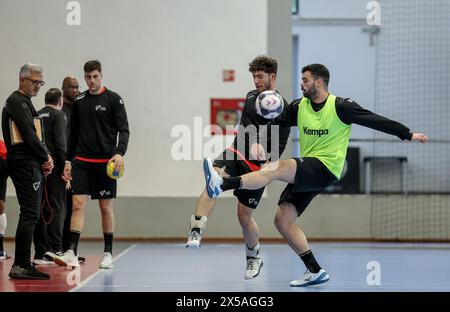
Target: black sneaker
[[28, 272], [81, 259]]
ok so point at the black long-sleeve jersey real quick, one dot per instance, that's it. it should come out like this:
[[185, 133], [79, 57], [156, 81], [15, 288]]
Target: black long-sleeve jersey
[[249, 118], [348, 112], [96, 122], [20, 109], [54, 122]]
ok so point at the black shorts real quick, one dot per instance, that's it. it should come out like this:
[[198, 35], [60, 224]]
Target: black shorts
[[236, 167], [311, 177], [3, 178], [91, 179]]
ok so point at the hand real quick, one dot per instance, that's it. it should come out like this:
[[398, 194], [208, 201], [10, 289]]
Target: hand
[[67, 172], [257, 152], [118, 161], [419, 137], [68, 185]]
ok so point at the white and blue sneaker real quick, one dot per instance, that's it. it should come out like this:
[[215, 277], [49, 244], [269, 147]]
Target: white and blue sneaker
[[3, 255], [212, 178], [309, 279]]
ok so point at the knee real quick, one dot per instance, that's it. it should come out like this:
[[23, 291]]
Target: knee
[[281, 223], [77, 204], [106, 207], [245, 217]]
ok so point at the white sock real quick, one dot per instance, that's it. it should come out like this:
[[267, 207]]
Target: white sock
[[3, 224]]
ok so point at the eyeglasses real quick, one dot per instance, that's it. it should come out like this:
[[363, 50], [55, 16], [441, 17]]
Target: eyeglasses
[[36, 83]]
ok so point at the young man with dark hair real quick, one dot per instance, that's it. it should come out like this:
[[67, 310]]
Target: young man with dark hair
[[48, 232], [28, 160], [236, 160], [324, 122], [98, 118]]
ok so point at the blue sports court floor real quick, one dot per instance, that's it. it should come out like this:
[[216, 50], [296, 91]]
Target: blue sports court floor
[[353, 267]]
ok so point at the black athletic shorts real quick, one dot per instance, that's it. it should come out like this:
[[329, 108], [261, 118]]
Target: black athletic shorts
[[91, 179], [235, 166], [3, 178], [311, 177]]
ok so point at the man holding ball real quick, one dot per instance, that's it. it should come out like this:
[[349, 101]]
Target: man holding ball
[[98, 118]]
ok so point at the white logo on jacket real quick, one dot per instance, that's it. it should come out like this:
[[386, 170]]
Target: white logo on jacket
[[36, 185]]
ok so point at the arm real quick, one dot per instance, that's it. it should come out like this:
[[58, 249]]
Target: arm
[[121, 120], [74, 131], [350, 112], [59, 130], [120, 117]]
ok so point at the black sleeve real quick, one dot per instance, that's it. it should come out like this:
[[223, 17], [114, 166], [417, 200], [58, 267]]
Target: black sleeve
[[74, 131], [350, 112], [22, 116], [288, 118], [59, 131], [120, 117]]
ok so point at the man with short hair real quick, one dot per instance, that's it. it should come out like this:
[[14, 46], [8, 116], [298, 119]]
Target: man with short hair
[[98, 134], [70, 89], [324, 122], [48, 233], [28, 161]]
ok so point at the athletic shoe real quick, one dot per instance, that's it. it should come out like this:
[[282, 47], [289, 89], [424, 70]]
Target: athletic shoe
[[212, 178], [28, 272], [68, 259], [253, 268], [44, 260], [3, 255], [309, 279], [107, 261], [194, 239]]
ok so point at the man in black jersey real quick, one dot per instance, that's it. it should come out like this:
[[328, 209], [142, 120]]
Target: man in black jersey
[[98, 117], [28, 160], [48, 232], [70, 90], [324, 123], [235, 161]]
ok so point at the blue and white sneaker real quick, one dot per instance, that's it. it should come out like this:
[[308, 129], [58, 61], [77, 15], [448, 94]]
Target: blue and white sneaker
[[309, 279], [3, 255], [212, 178]]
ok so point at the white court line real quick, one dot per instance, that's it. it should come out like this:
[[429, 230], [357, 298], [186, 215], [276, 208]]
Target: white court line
[[100, 271]]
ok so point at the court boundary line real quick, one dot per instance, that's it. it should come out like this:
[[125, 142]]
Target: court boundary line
[[100, 271]]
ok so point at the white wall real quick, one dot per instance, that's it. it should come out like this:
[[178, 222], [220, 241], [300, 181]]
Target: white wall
[[164, 57]]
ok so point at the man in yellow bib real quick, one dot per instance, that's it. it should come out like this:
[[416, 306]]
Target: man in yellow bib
[[324, 123]]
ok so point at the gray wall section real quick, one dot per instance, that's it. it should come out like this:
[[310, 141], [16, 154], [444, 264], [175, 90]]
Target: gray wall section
[[279, 42], [328, 216]]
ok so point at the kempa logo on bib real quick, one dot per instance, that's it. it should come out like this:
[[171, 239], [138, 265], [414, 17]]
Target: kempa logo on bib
[[100, 108], [318, 132]]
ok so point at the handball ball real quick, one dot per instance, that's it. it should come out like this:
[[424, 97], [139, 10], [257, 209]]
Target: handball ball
[[269, 104], [113, 174]]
